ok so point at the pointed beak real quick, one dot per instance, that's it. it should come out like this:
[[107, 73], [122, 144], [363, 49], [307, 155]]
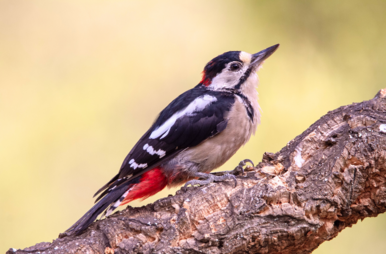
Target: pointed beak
[[259, 57]]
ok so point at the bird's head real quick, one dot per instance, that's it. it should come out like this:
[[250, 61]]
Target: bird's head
[[232, 69]]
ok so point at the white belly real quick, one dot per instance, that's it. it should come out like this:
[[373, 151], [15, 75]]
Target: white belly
[[215, 151]]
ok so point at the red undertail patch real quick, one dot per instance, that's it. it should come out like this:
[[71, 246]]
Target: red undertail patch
[[151, 182]]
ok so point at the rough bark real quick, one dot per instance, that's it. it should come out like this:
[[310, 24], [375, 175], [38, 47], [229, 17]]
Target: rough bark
[[325, 180]]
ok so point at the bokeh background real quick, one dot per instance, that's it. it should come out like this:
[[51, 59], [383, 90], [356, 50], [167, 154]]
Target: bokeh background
[[81, 81]]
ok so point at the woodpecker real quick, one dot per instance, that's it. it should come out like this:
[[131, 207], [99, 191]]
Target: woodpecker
[[195, 134]]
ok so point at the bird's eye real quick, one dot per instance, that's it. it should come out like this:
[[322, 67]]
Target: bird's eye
[[235, 66]]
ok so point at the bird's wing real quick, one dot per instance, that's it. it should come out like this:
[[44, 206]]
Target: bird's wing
[[191, 118]]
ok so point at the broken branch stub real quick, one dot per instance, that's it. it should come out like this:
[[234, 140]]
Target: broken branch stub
[[323, 181]]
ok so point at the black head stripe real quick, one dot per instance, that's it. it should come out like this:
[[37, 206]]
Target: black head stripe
[[217, 64], [244, 77], [247, 105], [246, 102]]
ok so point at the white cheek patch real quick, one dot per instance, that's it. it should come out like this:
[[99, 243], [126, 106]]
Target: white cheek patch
[[227, 78], [197, 105], [135, 165], [161, 153], [245, 57]]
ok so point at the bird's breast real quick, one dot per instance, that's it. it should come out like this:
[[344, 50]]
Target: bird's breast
[[215, 151]]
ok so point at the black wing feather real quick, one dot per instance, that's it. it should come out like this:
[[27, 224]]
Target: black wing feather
[[187, 131]]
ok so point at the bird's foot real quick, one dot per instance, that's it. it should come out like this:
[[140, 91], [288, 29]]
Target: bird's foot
[[218, 176], [240, 168], [209, 178]]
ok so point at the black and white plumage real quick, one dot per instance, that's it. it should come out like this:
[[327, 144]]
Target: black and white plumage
[[187, 121], [195, 134]]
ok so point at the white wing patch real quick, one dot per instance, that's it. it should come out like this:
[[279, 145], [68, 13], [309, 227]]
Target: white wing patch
[[161, 153], [135, 165], [197, 105]]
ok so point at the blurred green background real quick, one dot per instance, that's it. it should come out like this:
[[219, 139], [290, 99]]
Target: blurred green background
[[81, 81]]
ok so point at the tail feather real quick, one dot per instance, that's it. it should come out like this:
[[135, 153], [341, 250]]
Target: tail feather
[[116, 204], [122, 192], [97, 209], [106, 185]]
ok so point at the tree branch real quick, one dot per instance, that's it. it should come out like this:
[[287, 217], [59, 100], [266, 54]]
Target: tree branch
[[323, 181]]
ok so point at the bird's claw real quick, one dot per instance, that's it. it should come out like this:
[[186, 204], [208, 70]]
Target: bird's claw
[[218, 176], [240, 167], [209, 178]]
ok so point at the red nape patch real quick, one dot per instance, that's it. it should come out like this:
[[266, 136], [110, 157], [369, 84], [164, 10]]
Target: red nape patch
[[151, 182], [205, 81]]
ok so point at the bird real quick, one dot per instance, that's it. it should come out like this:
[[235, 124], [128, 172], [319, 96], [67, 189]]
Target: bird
[[196, 133]]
